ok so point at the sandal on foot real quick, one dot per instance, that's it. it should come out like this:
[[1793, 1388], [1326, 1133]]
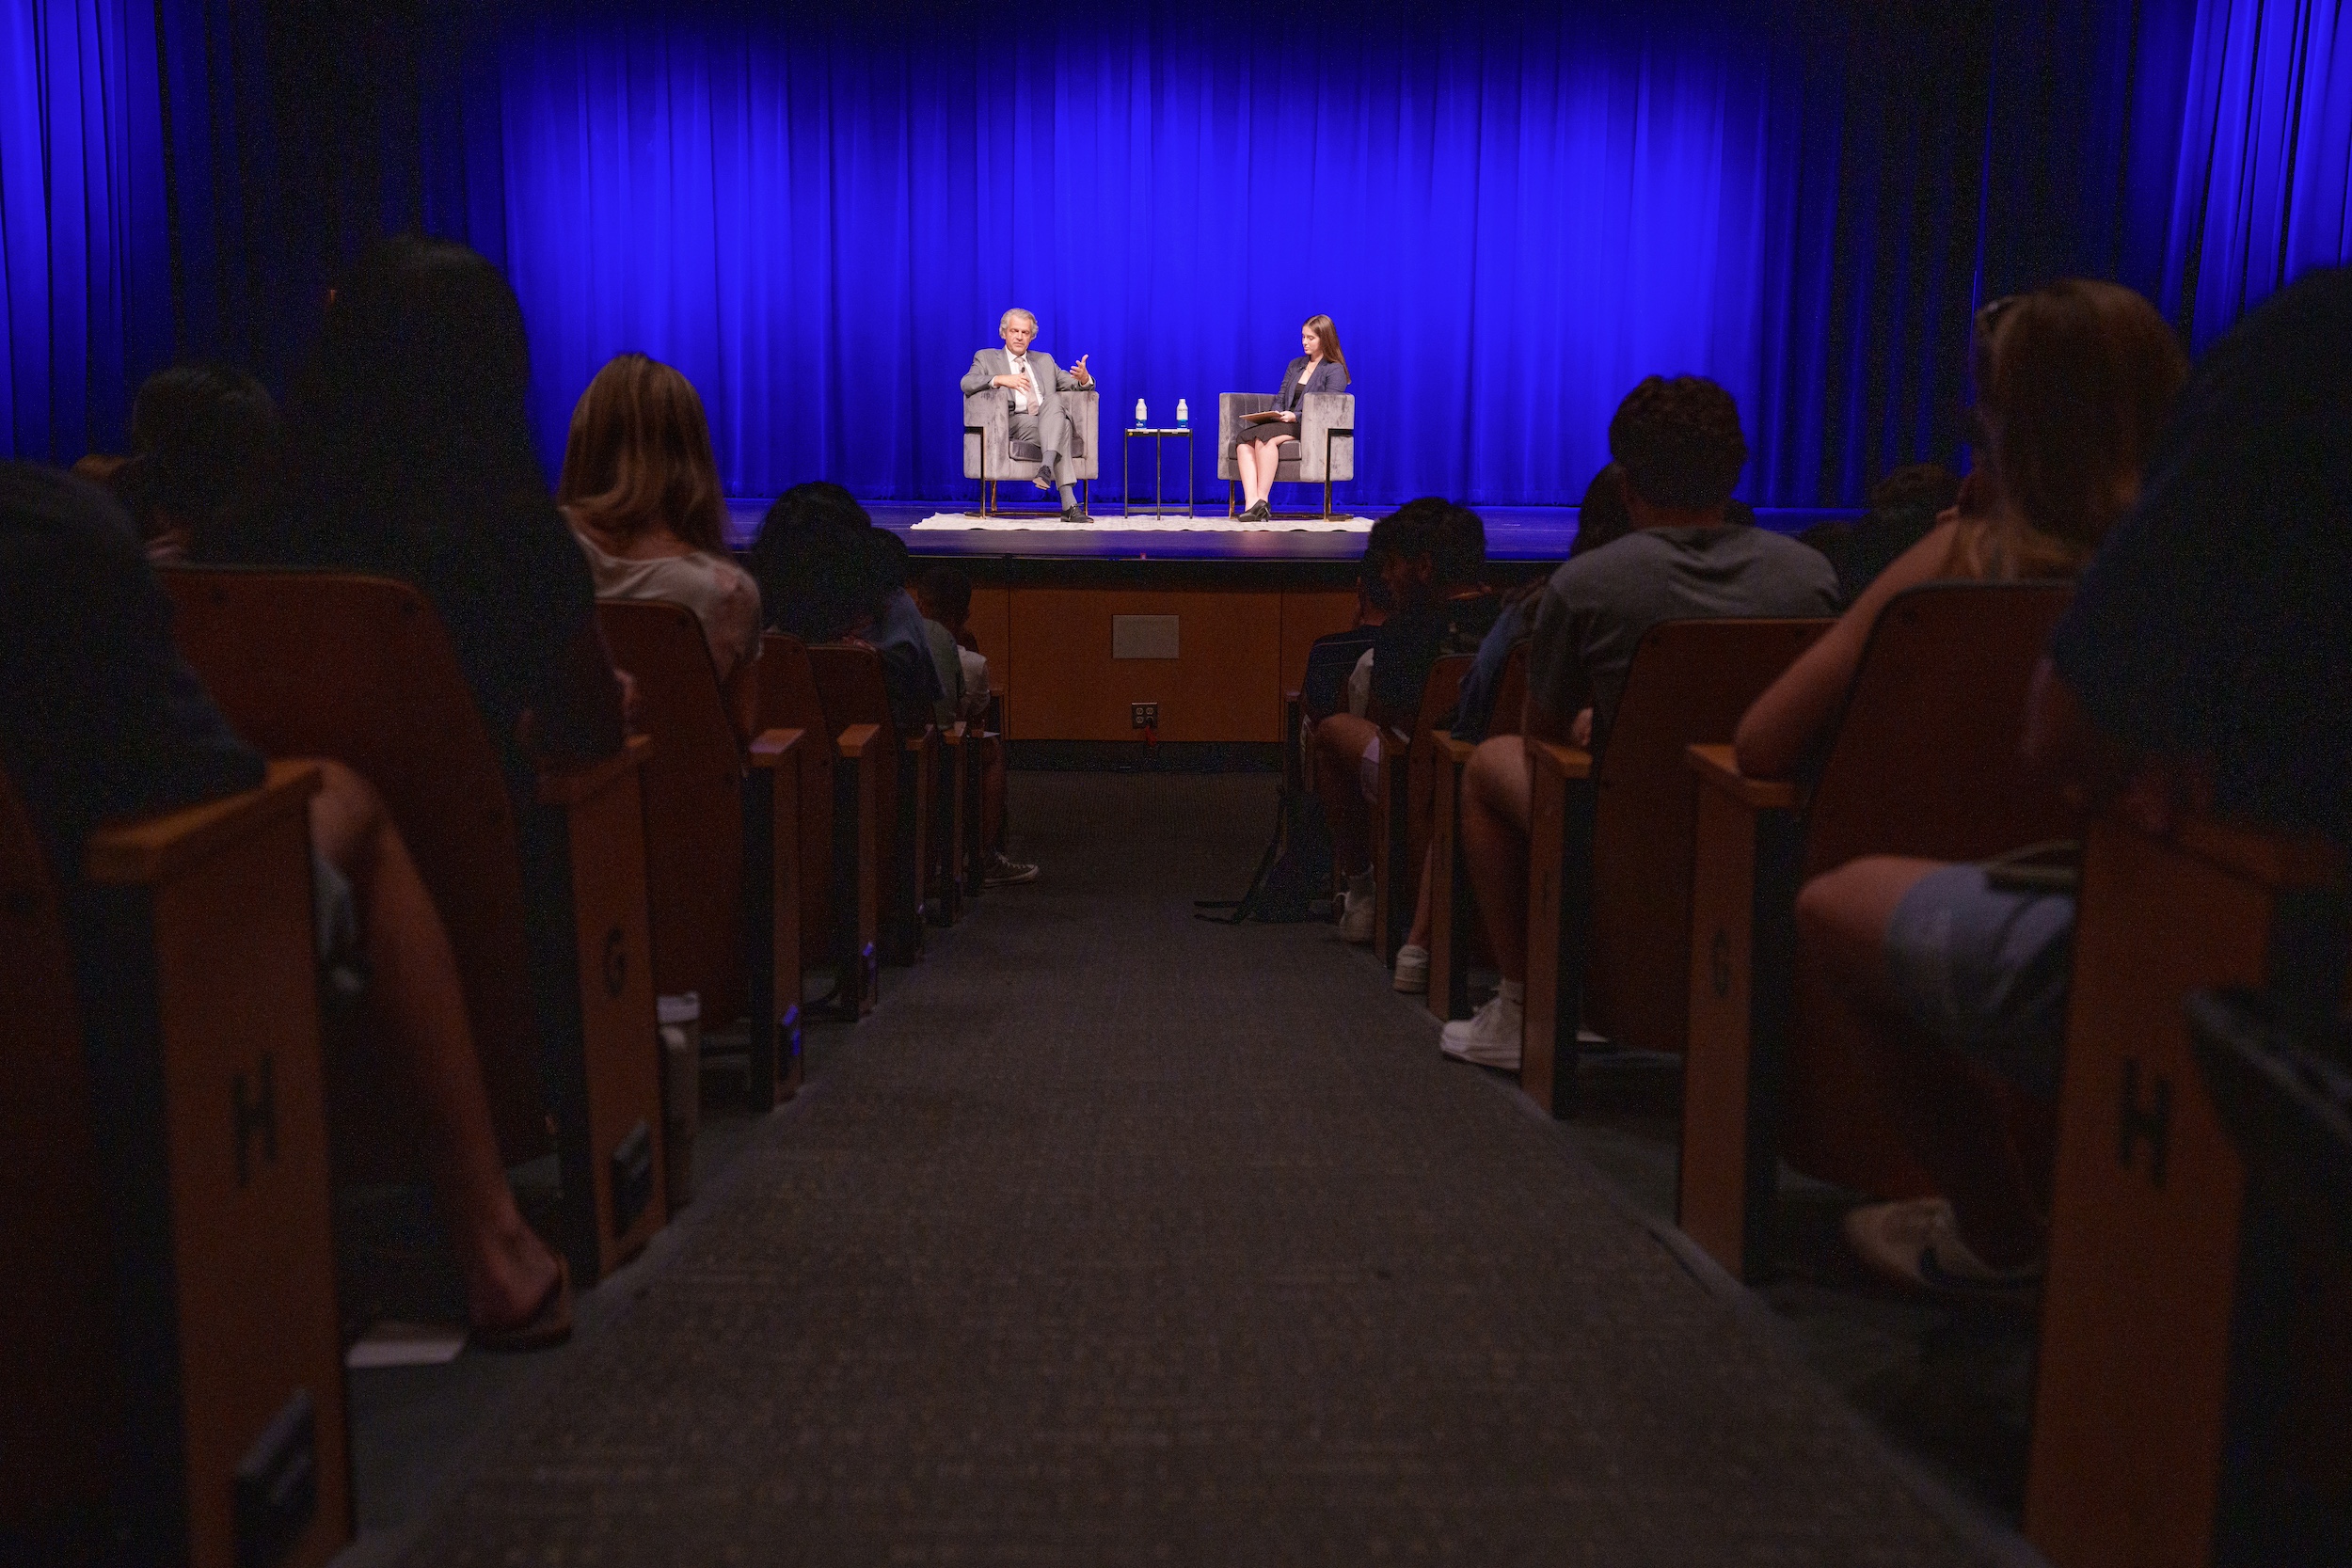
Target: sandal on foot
[[548, 1326]]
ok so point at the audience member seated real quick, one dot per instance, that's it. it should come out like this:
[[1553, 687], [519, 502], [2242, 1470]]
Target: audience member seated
[[810, 565], [895, 629], [1328, 684], [1601, 516], [1944, 978], [640, 489], [1904, 506], [104, 719], [1431, 553], [411, 457], [208, 455], [945, 596], [1473, 713], [1680, 450]]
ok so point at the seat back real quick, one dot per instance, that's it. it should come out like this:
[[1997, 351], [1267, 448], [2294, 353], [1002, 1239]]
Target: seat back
[[169, 1311], [788, 700], [2139, 1306], [1423, 760], [57, 1357], [694, 803], [1689, 683], [326, 664], [1926, 761], [850, 685]]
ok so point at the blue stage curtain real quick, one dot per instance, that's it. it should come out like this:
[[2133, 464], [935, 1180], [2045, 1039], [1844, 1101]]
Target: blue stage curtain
[[84, 228], [1513, 214], [2238, 166]]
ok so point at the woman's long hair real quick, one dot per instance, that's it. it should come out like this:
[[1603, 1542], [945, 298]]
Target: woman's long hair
[[639, 454], [2074, 382], [410, 418], [1330, 337]]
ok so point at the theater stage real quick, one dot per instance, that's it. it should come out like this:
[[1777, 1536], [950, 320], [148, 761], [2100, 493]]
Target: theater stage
[[1209, 627]]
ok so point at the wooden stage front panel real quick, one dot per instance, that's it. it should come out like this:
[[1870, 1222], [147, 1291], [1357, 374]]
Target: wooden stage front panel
[[1238, 650]]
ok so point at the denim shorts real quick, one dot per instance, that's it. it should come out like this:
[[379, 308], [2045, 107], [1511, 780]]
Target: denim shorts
[[335, 919], [1986, 972]]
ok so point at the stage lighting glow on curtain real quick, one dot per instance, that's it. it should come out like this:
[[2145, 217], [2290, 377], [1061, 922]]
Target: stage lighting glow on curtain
[[1512, 217], [2240, 167], [85, 237]]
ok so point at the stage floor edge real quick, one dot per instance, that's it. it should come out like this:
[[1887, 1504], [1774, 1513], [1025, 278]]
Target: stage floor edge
[[1513, 533]]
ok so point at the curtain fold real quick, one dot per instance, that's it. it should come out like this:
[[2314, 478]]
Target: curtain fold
[[85, 291], [2240, 167]]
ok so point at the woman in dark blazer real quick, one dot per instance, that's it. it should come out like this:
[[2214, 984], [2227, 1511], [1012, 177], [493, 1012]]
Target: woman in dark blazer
[[1258, 449]]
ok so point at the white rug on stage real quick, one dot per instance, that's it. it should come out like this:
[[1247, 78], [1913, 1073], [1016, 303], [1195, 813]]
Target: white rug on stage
[[1145, 522]]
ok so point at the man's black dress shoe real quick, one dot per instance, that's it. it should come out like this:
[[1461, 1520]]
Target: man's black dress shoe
[[1075, 515]]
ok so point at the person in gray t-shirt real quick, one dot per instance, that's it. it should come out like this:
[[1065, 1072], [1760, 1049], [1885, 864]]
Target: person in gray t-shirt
[[1594, 612], [1680, 446]]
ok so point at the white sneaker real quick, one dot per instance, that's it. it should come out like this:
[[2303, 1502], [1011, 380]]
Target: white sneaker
[[1355, 918], [1412, 969], [1918, 1244], [1490, 1037]]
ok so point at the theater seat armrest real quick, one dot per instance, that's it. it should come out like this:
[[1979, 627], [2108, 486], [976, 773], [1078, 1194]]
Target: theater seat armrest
[[145, 849], [858, 739], [1457, 752], [1717, 765], [773, 748], [1565, 762], [569, 787], [916, 744]]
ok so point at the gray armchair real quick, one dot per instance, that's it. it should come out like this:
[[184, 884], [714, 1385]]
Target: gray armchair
[[1321, 451], [987, 448]]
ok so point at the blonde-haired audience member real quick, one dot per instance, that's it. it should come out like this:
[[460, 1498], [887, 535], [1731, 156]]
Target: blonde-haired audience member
[[641, 490], [2073, 384]]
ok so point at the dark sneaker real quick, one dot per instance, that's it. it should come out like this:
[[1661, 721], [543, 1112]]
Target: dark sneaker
[[1002, 872]]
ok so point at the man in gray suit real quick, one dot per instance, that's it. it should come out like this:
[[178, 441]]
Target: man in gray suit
[[1036, 383]]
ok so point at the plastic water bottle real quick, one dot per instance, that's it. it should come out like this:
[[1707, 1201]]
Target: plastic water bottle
[[1141, 417], [1184, 416]]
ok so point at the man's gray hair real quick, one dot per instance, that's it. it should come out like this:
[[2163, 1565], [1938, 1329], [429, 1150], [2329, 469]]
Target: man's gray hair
[[1006, 320]]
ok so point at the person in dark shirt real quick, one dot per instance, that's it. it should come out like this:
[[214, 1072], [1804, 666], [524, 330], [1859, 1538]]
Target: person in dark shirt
[[411, 457], [1433, 551], [1904, 507], [2202, 665], [208, 458], [806, 558], [104, 719]]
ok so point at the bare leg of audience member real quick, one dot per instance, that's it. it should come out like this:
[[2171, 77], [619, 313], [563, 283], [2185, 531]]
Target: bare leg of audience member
[[1340, 742], [415, 990], [1945, 1106], [1495, 813]]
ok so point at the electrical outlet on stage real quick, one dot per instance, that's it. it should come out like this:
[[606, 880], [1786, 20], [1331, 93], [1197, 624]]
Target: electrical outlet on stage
[[1143, 716]]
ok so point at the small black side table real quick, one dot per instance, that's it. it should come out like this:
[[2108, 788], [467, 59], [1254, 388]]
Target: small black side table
[[1159, 441]]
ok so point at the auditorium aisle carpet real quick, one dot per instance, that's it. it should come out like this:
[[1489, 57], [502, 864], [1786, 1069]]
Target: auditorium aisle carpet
[[1115, 1237]]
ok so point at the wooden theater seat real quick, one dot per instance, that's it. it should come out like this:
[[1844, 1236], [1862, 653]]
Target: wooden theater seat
[[711, 820], [1454, 934], [1402, 803], [903, 773], [1609, 902], [952, 792], [168, 1341], [546, 912], [1924, 762], [2129, 1399], [839, 826]]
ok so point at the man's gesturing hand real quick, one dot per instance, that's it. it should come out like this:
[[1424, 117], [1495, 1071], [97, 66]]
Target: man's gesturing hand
[[1079, 372]]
